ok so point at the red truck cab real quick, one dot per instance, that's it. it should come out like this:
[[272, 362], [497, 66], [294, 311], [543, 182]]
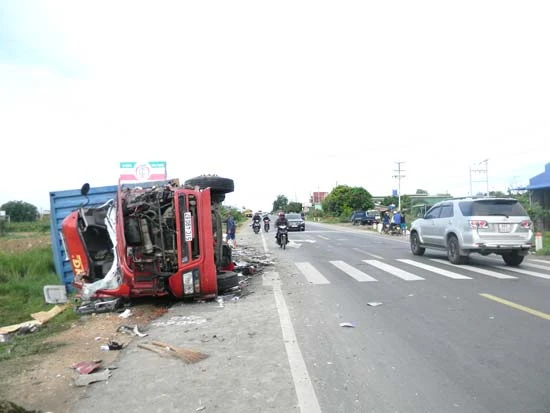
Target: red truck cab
[[160, 240]]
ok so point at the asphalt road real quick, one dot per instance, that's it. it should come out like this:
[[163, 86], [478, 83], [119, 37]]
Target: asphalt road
[[340, 323], [427, 336]]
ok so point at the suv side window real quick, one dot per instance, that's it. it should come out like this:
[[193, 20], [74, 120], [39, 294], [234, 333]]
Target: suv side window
[[446, 211], [433, 212]]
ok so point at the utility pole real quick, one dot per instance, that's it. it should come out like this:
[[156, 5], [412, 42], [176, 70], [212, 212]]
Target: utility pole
[[399, 176], [483, 170]]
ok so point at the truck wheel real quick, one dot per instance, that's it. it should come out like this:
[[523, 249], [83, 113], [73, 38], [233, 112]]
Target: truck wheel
[[217, 184], [227, 280]]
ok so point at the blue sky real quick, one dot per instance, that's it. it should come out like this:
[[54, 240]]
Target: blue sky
[[285, 98]]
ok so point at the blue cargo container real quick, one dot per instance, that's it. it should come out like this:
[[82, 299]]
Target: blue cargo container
[[62, 203]]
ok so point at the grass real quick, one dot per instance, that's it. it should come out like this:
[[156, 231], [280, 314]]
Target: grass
[[545, 244], [22, 279]]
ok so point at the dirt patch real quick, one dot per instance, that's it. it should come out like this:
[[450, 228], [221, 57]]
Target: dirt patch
[[19, 242], [46, 383]]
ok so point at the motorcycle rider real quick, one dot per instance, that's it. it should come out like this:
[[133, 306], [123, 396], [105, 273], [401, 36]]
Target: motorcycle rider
[[256, 219], [281, 220], [266, 220]]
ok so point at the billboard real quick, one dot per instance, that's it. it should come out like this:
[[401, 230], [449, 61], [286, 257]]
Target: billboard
[[143, 171]]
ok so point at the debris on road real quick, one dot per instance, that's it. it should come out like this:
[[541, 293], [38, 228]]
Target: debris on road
[[85, 379], [374, 304], [347, 325], [167, 350]]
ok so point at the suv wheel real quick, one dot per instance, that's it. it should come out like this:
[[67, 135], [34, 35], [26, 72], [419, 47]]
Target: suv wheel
[[453, 251], [513, 259], [415, 245]]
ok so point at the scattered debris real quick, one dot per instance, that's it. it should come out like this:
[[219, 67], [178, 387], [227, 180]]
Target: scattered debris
[[85, 379], [55, 294], [32, 325], [86, 367], [347, 325], [126, 313], [374, 304], [45, 316], [181, 321], [133, 331], [166, 350]]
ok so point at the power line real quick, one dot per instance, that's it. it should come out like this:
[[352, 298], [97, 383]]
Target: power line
[[484, 171]]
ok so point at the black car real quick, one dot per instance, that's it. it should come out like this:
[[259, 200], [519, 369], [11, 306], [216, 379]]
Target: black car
[[364, 218], [296, 222]]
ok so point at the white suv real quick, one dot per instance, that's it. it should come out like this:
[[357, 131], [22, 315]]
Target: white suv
[[483, 225]]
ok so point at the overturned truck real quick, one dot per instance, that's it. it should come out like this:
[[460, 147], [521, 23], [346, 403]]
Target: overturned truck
[[165, 239]]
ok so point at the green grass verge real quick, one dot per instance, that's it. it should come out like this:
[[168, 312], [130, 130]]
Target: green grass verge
[[22, 280]]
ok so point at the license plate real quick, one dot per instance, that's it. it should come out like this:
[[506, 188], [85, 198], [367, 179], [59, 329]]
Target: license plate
[[504, 228]]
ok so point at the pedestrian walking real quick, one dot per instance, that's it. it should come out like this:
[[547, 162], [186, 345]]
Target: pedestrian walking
[[231, 228]]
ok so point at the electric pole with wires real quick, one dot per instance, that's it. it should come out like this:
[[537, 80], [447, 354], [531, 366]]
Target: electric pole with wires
[[399, 175]]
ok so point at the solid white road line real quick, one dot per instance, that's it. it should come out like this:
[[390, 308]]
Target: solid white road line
[[307, 399], [407, 276], [352, 271], [311, 273], [478, 270], [439, 271]]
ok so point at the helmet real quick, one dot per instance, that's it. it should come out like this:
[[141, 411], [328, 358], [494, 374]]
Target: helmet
[[281, 214]]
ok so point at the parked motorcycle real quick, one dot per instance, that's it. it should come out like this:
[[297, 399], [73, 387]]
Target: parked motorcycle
[[256, 226], [392, 229], [282, 239]]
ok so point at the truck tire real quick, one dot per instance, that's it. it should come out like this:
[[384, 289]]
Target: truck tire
[[217, 184], [227, 280]]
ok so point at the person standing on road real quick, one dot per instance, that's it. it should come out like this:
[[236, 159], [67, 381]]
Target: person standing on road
[[403, 225], [231, 228]]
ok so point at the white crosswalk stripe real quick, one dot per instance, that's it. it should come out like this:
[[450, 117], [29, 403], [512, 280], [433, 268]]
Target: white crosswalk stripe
[[437, 270], [311, 273], [478, 270], [538, 266], [527, 272], [398, 272], [314, 276], [352, 271]]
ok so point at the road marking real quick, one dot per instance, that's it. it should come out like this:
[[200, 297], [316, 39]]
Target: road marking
[[439, 271], [407, 276], [478, 270], [307, 399], [378, 257], [352, 271], [541, 261], [517, 306], [311, 273], [266, 249], [323, 237], [527, 272], [540, 267]]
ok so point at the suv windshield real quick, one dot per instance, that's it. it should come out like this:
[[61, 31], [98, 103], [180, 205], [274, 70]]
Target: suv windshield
[[293, 216], [507, 207]]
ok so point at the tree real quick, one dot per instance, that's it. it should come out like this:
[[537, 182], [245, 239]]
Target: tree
[[20, 211], [343, 200], [421, 192], [294, 207], [280, 204]]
